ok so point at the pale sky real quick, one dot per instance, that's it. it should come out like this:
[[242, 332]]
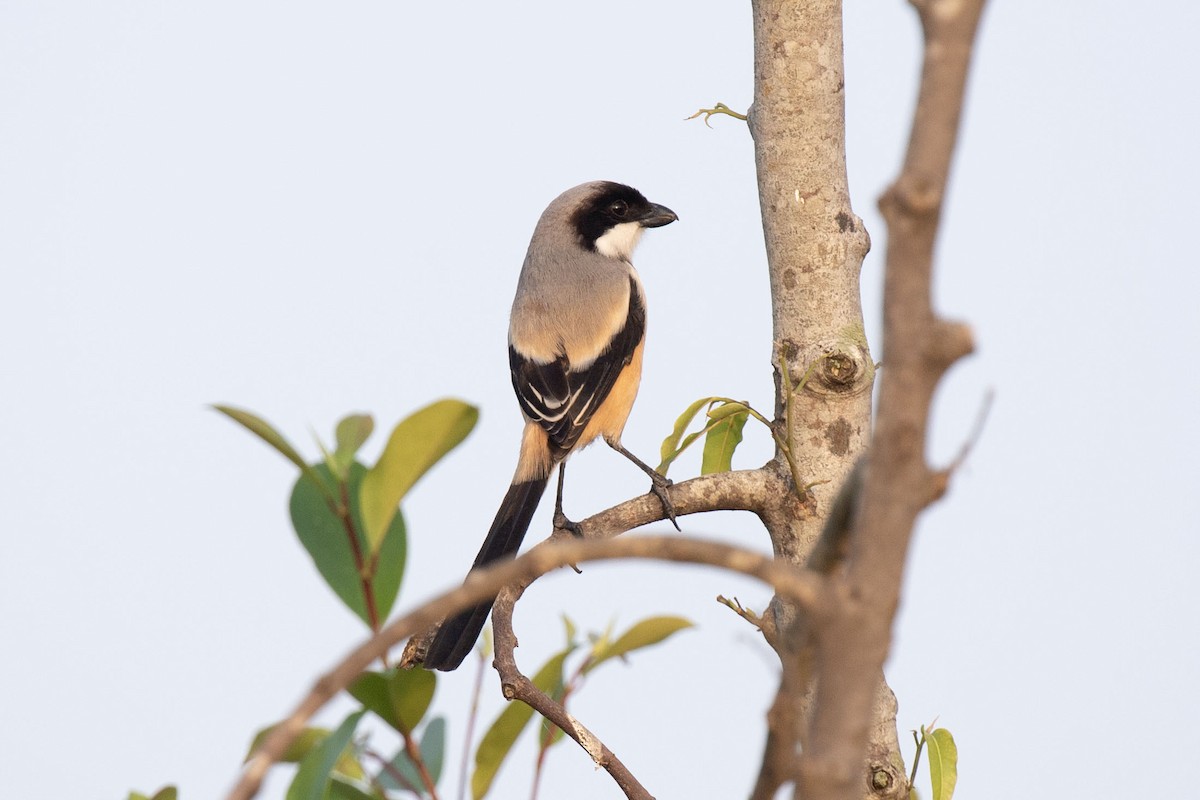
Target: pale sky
[[309, 209]]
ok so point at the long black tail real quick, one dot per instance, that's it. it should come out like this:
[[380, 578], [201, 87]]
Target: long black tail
[[458, 634]]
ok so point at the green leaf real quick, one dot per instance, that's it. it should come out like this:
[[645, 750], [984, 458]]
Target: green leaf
[[649, 631], [723, 438], [603, 639], [371, 689], [165, 793], [301, 746], [485, 646], [416, 444], [263, 430], [433, 749], [343, 789], [502, 735], [727, 408], [411, 691], [312, 778], [943, 763], [671, 449], [350, 435], [339, 473], [308, 740], [328, 542], [400, 697]]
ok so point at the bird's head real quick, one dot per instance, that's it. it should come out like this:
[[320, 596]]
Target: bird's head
[[609, 218]]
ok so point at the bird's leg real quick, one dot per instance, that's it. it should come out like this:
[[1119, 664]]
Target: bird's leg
[[560, 519], [658, 484]]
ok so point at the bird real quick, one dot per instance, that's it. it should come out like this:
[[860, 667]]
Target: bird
[[575, 340]]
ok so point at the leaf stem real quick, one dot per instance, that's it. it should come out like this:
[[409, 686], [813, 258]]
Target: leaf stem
[[365, 571], [691, 438], [912, 779], [537, 768], [784, 443], [414, 755], [393, 773]]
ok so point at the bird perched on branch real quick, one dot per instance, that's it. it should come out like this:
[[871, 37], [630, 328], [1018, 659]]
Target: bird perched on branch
[[575, 341]]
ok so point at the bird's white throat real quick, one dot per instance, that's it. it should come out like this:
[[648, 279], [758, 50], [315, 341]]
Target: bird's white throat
[[620, 240]]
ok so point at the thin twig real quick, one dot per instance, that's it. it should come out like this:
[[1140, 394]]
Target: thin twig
[[393, 773], [940, 480], [719, 108], [748, 614], [920, 740], [976, 432], [413, 750], [472, 718]]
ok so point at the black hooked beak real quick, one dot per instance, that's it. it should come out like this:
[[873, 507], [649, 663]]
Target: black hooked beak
[[657, 216]]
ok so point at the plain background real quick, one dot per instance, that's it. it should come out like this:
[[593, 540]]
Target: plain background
[[308, 209]]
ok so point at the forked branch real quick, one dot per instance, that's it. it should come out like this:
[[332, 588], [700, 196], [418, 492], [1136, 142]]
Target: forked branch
[[743, 490], [803, 588]]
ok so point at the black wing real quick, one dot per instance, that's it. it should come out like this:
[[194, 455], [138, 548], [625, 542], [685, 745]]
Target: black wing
[[562, 400]]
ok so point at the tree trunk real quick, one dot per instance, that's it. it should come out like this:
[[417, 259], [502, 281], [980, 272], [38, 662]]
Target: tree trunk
[[815, 249]]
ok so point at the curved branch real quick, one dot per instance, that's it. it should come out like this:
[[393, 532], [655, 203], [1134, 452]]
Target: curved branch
[[764, 492], [742, 490], [803, 587], [746, 490]]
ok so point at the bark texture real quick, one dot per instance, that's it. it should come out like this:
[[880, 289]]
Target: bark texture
[[815, 249]]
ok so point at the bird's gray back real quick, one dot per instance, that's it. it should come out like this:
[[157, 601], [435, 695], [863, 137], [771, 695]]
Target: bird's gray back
[[565, 287]]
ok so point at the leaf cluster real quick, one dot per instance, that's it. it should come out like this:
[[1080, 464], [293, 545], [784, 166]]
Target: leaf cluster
[[347, 517]]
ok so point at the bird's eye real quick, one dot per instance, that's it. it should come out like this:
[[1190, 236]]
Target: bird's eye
[[619, 208]]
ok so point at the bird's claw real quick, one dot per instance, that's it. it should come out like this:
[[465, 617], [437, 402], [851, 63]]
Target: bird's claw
[[659, 486], [561, 523]]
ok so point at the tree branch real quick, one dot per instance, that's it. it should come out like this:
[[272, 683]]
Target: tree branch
[[742, 490], [898, 484], [516, 686], [803, 588]]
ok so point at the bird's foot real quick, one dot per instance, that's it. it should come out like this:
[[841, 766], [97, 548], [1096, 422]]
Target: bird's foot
[[561, 523], [659, 486]]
